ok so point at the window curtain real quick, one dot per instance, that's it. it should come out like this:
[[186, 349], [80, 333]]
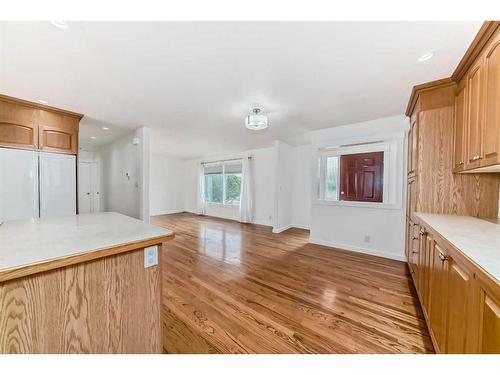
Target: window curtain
[[246, 195], [200, 204]]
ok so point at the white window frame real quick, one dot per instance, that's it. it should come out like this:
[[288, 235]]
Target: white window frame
[[391, 193], [223, 164]]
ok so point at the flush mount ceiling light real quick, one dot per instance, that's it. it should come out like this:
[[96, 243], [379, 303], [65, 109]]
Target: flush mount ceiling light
[[60, 24], [256, 121], [425, 57], [105, 128], [93, 137]]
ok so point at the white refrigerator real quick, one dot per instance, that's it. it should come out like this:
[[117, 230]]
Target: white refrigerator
[[36, 184]]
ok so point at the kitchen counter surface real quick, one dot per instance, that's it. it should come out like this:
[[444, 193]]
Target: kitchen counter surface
[[478, 239], [36, 245]]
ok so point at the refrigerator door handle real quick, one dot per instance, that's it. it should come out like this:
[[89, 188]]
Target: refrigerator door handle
[[41, 175], [36, 196]]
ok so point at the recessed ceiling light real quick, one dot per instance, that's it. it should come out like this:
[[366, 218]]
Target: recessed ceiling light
[[105, 128], [425, 57], [43, 101], [60, 24], [93, 137]]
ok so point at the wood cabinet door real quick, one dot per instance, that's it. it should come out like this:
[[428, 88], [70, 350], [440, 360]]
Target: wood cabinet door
[[459, 128], [413, 147], [18, 126], [474, 116], [460, 310], [489, 321], [58, 133], [422, 267], [426, 270], [491, 128], [437, 306], [411, 197], [408, 238]]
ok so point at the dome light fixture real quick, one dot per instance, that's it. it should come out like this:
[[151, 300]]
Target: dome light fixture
[[256, 121]]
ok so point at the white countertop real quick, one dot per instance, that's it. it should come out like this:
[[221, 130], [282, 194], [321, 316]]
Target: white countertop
[[477, 239], [26, 242]]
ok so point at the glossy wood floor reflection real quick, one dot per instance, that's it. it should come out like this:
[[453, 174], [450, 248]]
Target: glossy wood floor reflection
[[239, 288]]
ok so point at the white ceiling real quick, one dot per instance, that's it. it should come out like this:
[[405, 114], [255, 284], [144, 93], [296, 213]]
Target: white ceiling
[[194, 82]]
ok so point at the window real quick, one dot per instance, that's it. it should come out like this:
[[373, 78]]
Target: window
[[352, 177], [223, 183]]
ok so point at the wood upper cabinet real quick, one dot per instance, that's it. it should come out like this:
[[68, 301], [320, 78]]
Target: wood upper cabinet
[[474, 133], [29, 125], [437, 303], [18, 127], [459, 128], [491, 126], [58, 133]]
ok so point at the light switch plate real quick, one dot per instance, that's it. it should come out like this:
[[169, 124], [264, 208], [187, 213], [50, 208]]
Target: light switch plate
[[150, 256]]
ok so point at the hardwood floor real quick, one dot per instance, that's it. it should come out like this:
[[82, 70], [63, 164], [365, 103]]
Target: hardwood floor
[[239, 288]]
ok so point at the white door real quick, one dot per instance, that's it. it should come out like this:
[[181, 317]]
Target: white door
[[85, 193], [57, 185], [18, 184], [96, 186]]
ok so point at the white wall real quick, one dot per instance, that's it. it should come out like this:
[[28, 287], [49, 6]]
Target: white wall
[[367, 229], [166, 189], [263, 166], [301, 201], [285, 178], [119, 193]]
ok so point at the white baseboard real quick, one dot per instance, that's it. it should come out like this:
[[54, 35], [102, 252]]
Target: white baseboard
[[264, 223], [358, 249], [167, 212], [282, 229], [301, 226]]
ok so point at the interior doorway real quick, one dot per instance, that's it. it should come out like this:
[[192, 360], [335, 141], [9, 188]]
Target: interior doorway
[[88, 187]]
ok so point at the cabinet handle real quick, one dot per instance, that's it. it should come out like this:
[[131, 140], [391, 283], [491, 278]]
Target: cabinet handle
[[442, 257]]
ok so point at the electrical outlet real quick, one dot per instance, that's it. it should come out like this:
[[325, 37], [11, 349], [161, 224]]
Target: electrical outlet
[[150, 256], [367, 238]]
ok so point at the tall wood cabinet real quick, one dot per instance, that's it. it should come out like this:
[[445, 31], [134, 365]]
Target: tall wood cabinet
[[454, 135], [29, 125]]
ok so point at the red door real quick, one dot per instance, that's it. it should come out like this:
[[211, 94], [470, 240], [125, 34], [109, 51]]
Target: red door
[[361, 177]]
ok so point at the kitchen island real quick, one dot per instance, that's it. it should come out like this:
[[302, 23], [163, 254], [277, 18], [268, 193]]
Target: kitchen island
[[87, 283]]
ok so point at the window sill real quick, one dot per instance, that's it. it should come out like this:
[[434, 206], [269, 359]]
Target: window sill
[[382, 206], [222, 205]]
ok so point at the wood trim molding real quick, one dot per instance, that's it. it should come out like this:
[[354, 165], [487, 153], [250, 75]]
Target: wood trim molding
[[27, 103], [484, 34], [415, 92], [30, 269], [487, 30]]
